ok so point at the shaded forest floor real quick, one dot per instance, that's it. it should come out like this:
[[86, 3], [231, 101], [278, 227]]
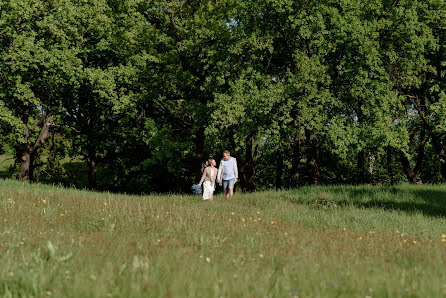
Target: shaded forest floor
[[315, 241]]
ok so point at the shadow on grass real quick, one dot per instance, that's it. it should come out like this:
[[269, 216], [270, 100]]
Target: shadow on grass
[[428, 200]]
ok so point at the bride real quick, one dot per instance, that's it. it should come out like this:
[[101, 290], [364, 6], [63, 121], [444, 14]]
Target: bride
[[208, 179]]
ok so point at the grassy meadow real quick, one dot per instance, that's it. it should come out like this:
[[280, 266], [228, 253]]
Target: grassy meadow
[[364, 241]]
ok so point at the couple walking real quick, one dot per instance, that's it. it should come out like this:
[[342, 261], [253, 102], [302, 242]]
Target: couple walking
[[226, 174]]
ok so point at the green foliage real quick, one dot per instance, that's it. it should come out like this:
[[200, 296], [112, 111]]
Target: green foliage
[[143, 92]]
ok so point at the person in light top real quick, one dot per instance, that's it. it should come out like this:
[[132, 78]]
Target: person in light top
[[228, 173], [208, 180]]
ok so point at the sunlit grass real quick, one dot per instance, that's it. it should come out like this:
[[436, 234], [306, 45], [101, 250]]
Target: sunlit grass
[[323, 241]]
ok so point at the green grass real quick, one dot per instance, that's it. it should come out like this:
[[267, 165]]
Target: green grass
[[311, 242]]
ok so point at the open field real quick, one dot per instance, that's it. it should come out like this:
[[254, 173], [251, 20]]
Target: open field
[[312, 242]]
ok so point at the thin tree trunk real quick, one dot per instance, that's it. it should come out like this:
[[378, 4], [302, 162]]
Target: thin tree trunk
[[24, 149], [248, 170], [199, 158], [279, 169], [312, 158], [389, 165], [233, 143], [420, 152], [295, 169], [92, 163], [92, 183], [361, 167]]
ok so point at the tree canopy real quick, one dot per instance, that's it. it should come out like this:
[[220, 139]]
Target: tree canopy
[[133, 95]]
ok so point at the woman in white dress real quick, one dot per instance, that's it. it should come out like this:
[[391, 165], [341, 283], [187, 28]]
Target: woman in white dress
[[208, 180]]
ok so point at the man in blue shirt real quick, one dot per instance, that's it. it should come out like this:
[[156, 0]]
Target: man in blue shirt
[[228, 173]]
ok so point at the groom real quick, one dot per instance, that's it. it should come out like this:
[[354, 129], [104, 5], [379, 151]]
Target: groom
[[228, 173]]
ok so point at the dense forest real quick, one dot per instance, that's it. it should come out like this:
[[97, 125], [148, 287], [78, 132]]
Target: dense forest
[[134, 95]]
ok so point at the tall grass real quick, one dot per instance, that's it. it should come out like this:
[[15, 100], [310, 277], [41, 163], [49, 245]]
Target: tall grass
[[311, 242]]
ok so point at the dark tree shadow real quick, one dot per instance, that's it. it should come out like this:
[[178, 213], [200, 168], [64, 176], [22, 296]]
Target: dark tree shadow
[[412, 199]]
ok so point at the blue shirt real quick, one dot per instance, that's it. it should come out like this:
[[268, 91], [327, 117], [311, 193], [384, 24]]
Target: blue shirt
[[228, 169]]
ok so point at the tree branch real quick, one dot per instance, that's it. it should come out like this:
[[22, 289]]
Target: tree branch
[[37, 122], [66, 127]]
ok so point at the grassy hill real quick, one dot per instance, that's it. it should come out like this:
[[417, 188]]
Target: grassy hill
[[314, 241]]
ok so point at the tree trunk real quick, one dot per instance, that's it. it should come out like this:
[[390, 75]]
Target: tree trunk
[[312, 158], [92, 184], [389, 165], [436, 142], [295, 174], [27, 153], [420, 152], [361, 167], [24, 156], [40, 141], [414, 177], [199, 153], [248, 170], [443, 170], [92, 163], [279, 170], [441, 152], [233, 143], [24, 149]]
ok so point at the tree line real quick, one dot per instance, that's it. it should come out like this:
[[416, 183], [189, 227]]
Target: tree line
[[134, 95]]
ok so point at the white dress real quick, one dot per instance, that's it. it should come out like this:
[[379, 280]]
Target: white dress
[[208, 188]]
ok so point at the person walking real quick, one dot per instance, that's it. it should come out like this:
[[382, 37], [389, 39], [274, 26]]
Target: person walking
[[228, 173], [208, 180]]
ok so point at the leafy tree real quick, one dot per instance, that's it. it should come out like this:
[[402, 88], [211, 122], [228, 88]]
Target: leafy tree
[[414, 51], [36, 67]]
